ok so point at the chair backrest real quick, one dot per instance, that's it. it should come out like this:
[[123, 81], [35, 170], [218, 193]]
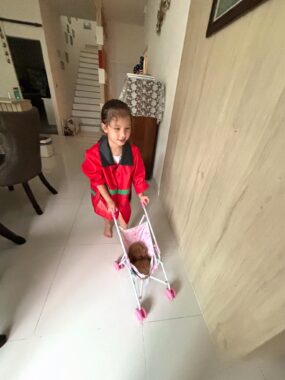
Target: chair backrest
[[20, 146]]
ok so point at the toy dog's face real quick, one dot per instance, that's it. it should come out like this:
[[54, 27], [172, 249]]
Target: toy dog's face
[[137, 251], [143, 266]]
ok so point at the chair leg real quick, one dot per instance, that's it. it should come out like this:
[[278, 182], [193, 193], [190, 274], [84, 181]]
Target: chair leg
[[46, 183], [3, 339], [4, 231], [11, 188], [32, 198]]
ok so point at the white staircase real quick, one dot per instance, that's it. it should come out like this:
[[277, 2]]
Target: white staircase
[[87, 99]]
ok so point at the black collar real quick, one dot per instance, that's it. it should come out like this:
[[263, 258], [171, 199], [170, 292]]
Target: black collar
[[107, 157]]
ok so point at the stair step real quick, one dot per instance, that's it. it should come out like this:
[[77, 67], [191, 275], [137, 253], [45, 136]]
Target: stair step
[[88, 114], [82, 87], [88, 94], [90, 121], [87, 55], [86, 107], [87, 82], [88, 51], [81, 100], [91, 47], [84, 70], [88, 60], [88, 65], [87, 76], [90, 128]]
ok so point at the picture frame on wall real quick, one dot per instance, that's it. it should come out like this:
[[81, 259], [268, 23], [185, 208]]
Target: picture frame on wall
[[223, 12]]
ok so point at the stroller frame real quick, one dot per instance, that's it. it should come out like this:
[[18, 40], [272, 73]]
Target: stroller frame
[[138, 283]]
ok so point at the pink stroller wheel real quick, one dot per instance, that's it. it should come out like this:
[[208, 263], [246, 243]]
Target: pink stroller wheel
[[170, 293], [118, 266], [141, 314]]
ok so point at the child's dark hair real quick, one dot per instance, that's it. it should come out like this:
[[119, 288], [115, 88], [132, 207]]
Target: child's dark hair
[[114, 108]]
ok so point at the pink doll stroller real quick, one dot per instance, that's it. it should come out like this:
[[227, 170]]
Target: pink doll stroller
[[143, 232]]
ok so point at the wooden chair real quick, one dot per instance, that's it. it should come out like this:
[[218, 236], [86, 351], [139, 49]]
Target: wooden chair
[[20, 158]]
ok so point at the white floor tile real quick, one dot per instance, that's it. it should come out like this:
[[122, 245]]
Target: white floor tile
[[182, 349], [243, 370], [273, 368], [88, 293], [158, 306], [71, 315], [88, 228], [110, 354], [178, 349], [26, 275]]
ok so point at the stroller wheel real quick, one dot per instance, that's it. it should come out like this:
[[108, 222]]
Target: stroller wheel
[[118, 266], [170, 293], [141, 314]]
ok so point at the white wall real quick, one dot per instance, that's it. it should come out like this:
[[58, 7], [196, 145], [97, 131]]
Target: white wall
[[164, 57], [17, 10], [82, 37], [124, 46], [8, 78], [24, 10]]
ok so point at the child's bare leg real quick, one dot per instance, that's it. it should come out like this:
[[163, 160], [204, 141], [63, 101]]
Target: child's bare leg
[[122, 223], [108, 228]]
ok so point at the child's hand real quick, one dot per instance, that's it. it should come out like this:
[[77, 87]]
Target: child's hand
[[111, 206], [144, 200]]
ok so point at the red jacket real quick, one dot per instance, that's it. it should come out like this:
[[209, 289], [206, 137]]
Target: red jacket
[[100, 167]]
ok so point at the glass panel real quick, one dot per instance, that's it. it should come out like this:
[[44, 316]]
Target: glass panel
[[223, 6]]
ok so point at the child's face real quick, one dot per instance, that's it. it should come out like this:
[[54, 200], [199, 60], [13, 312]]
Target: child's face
[[118, 130]]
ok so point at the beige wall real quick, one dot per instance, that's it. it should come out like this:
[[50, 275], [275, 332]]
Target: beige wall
[[164, 57], [55, 41], [223, 182], [124, 45]]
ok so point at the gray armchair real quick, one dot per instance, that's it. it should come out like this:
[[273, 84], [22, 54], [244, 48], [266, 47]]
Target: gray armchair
[[20, 158]]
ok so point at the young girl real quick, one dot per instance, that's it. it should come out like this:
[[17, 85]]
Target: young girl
[[113, 165]]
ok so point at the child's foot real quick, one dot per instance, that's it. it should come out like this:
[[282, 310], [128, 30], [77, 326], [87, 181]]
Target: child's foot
[[108, 229]]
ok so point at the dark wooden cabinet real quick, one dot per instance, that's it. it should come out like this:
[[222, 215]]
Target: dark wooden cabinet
[[144, 135]]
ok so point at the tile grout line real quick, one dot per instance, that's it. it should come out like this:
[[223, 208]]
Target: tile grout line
[[144, 354], [49, 289], [260, 370], [64, 248], [174, 318]]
